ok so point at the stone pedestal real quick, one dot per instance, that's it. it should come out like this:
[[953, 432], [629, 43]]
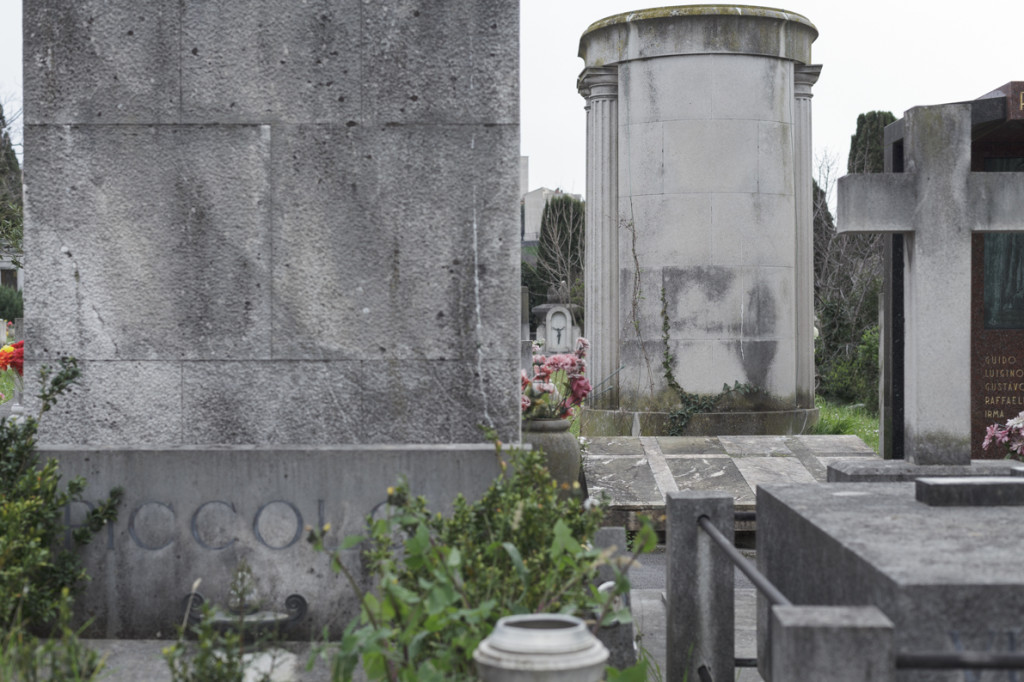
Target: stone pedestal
[[948, 578]]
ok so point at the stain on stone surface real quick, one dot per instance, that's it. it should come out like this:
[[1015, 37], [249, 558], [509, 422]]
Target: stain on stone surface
[[756, 358], [759, 315], [712, 281]]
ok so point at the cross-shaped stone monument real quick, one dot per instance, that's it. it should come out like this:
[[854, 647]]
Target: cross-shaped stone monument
[[949, 210]]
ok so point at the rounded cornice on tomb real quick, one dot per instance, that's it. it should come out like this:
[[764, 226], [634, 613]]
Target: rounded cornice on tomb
[[698, 29]]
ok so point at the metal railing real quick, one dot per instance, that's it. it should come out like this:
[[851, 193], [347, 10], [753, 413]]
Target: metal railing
[[748, 569]]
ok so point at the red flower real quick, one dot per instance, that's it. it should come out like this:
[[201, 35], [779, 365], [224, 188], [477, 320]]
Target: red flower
[[13, 356], [580, 387]]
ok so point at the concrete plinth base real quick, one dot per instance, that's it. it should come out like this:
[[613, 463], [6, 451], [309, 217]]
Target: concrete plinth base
[[898, 470], [623, 423]]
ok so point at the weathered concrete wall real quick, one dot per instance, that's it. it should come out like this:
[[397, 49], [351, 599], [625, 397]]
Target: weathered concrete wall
[[255, 225]]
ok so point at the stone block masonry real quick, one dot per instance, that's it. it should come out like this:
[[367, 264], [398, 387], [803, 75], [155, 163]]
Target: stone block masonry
[[255, 227], [947, 577]]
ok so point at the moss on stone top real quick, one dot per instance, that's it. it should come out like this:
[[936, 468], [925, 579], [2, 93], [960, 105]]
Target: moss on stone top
[[699, 10]]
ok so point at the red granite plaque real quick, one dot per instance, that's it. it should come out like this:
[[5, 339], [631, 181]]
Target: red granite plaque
[[997, 333]]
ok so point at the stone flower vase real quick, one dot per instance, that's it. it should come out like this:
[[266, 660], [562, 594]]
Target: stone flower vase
[[561, 449], [540, 647]]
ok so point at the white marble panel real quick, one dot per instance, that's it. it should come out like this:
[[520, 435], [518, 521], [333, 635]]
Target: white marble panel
[[704, 302], [751, 87], [775, 158], [710, 156], [673, 229], [768, 303], [666, 89], [698, 369], [753, 229], [641, 159], [693, 362]]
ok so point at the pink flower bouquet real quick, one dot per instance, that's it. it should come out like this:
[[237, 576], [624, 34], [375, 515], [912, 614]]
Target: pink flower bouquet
[[558, 384], [1010, 436]]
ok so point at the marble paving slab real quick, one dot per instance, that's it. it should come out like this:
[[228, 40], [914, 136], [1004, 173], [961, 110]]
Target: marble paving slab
[[615, 445], [835, 446], [712, 473], [628, 481], [691, 445], [756, 446], [635, 475], [765, 470]]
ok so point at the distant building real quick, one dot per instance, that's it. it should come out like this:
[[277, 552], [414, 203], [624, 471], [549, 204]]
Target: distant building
[[533, 203], [533, 209]]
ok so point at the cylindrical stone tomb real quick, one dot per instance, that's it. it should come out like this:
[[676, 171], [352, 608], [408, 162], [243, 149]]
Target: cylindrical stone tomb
[[702, 259]]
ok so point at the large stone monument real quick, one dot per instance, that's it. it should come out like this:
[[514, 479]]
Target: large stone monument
[[952, 195], [240, 221], [699, 232]]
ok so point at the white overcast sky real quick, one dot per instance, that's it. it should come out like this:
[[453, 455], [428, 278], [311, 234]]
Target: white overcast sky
[[877, 54]]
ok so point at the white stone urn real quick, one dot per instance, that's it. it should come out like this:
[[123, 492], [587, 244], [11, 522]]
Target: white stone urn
[[541, 647]]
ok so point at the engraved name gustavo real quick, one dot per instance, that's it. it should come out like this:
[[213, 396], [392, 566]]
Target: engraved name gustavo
[[1005, 367]]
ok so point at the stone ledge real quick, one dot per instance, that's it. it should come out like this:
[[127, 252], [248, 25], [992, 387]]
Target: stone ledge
[[973, 491], [131, 660], [897, 471], [624, 423]]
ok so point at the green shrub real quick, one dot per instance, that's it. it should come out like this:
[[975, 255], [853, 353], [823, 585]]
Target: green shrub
[[443, 582], [12, 305], [61, 656], [853, 375], [35, 569], [38, 577]]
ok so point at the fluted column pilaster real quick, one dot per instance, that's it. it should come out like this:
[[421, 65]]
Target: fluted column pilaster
[[600, 87], [804, 77]]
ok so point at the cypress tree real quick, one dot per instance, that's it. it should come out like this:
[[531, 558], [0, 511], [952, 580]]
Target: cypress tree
[[867, 150], [10, 193]]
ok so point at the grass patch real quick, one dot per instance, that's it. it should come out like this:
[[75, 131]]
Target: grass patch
[[7, 386], [838, 419]]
